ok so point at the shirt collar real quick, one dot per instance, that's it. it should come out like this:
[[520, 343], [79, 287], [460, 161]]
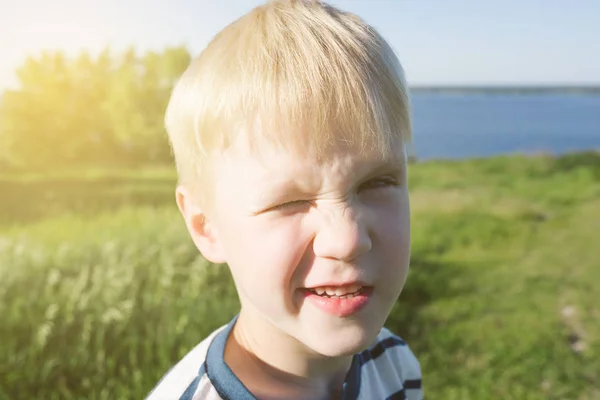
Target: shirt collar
[[230, 387]]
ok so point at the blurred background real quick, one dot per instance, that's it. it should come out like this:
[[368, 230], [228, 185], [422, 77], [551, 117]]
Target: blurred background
[[101, 290]]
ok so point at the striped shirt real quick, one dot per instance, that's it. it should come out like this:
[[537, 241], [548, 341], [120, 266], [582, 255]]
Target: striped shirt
[[387, 370]]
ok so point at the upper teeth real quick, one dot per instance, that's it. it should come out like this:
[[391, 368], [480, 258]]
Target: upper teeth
[[336, 291]]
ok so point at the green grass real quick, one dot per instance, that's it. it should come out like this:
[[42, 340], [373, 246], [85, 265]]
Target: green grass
[[101, 290]]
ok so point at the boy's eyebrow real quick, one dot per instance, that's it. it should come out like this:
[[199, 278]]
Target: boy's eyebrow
[[278, 191], [392, 165]]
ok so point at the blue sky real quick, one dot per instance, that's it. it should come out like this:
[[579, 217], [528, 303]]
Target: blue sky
[[438, 42]]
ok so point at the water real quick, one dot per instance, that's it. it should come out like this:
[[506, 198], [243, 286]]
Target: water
[[481, 125]]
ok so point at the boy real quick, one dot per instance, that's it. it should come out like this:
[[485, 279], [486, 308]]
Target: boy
[[289, 135]]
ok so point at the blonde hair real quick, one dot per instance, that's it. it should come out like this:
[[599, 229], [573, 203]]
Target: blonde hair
[[295, 72]]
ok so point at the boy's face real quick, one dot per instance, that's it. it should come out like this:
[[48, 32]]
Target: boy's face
[[286, 223]]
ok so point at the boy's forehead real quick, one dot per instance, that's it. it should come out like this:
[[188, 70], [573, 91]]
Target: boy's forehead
[[268, 163], [277, 157], [300, 147]]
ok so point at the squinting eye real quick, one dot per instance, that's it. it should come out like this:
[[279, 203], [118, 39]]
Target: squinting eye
[[290, 204], [380, 183]]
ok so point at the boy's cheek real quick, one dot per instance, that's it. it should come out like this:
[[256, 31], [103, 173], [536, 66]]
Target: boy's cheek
[[263, 259], [393, 223]]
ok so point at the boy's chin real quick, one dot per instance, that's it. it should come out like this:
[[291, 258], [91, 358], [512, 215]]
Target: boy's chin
[[341, 349], [340, 344]]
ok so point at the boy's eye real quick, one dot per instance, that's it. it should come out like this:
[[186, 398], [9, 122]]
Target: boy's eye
[[382, 182], [295, 204]]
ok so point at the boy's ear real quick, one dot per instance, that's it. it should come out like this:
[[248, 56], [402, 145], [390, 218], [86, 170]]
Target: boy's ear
[[199, 226]]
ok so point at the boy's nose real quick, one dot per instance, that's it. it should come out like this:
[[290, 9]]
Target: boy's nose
[[343, 235]]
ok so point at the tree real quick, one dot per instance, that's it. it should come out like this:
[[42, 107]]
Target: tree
[[85, 111]]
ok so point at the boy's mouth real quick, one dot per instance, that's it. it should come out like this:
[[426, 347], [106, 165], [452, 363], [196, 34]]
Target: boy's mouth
[[341, 301], [346, 292]]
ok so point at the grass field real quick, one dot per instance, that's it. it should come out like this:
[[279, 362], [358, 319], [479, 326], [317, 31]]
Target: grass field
[[101, 290]]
